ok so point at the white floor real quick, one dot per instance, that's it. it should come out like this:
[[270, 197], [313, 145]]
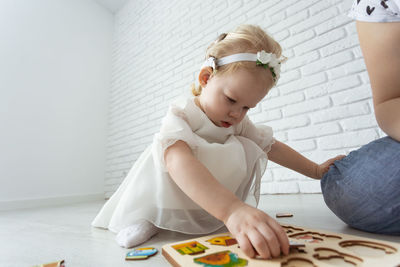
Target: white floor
[[35, 236]]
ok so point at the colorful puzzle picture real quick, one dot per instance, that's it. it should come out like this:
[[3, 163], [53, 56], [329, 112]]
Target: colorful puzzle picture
[[141, 253], [308, 247], [190, 248], [224, 258]]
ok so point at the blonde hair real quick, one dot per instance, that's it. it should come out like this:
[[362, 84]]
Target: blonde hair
[[244, 39]]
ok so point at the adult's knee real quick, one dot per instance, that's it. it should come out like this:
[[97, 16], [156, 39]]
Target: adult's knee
[[362, 188]]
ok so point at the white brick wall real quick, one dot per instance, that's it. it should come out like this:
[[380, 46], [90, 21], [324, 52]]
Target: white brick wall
[[321, 106]]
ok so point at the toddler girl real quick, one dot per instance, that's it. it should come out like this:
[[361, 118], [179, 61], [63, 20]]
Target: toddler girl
[[208, 158]]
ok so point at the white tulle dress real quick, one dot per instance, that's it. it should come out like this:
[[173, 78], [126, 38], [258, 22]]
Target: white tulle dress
[[236, 156]]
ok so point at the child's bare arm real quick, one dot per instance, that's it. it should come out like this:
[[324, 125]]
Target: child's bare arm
[[255, 231], [197, 182], [290, 158]]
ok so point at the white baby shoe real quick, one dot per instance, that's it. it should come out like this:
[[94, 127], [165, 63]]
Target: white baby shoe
[[136, 234]]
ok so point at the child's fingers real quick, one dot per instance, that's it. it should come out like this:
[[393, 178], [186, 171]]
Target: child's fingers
[[338, 157], [332, 160], [260, 243], [245, 245], [271, 240], [281, 235]]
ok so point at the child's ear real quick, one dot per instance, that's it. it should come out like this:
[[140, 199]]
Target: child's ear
[[204, 76]]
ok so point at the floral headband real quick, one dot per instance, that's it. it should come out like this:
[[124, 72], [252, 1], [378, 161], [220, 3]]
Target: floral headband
[[262, 58]]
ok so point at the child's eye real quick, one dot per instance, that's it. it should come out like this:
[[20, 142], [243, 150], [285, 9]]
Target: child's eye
[[231, 100]]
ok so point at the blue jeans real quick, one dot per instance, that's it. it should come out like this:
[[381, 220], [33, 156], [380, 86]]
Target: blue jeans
[[363, 189]]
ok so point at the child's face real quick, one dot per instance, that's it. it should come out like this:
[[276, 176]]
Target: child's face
[[226, 99]]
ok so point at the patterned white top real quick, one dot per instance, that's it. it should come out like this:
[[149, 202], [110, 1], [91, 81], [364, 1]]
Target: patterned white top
[[376, 10]]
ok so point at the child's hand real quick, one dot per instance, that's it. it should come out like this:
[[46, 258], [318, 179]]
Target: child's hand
[[257, 233], [324, 167]]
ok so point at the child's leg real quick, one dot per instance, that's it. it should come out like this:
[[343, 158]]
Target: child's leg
[[136, 234]]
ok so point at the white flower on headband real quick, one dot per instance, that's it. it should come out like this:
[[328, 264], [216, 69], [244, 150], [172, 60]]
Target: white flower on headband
[[262, 58], [269, 60], [210, 62]]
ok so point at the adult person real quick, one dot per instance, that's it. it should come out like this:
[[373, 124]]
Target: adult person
[[363, 189]]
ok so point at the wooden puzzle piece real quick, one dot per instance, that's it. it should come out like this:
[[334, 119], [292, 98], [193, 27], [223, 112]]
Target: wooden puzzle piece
[[221, 259], [290, 229], [294, 244], [222, 241], [60, 263], [283, 215], [140, 253], [296, 247], [368, 248], [309, 238], [336, 257], [297, 262], [299, 250], [313, 237], [190, 248]]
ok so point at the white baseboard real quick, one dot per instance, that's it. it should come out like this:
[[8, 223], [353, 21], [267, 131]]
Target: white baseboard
[[48, 202]]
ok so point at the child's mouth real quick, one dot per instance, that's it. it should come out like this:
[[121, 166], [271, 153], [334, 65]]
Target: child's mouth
[[225, 124]]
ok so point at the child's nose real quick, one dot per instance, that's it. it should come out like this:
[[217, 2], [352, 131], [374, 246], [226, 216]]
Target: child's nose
[[235, 113]]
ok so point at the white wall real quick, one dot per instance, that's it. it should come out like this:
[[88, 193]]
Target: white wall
[[55, 59], [321, 106]]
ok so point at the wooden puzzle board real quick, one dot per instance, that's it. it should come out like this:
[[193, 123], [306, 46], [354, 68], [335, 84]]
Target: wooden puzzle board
[[322, 249]]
